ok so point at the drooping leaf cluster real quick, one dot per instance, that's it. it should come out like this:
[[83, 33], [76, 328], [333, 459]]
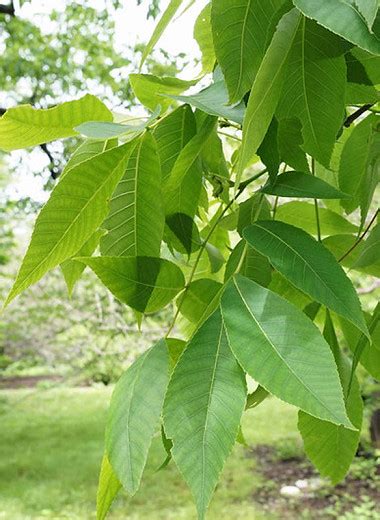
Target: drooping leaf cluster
[[191, 205]]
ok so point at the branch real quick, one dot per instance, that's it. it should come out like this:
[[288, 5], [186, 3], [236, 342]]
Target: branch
[[357, 242], [350, 119], [8, 9], [55, 171], [370, 289]]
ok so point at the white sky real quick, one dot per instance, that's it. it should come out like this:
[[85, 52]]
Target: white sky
[[131, 27]]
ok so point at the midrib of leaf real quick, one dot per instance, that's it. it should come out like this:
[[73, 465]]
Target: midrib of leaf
[[304, 82], [138, 157], [212, 383], [283, 360], [67, 230], [306, 264]]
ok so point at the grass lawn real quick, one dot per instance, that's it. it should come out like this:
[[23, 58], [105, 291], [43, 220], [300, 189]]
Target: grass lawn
[[51, 444]]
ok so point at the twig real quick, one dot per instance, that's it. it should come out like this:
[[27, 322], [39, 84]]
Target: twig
[[351, 118], [357, 242]]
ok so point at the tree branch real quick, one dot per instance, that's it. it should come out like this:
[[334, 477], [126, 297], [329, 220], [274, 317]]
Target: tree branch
[[8, 9], [350, 119], [55, 171]]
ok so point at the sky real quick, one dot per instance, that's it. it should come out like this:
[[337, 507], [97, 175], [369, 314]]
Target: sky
[[131, 27]]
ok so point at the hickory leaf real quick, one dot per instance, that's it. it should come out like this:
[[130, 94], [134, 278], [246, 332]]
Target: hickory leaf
[[134, 413], [309, 266], [314, 87], [241, 32], [303, 185], [144, 283], [76, 208], [203, 407], [281, 349], [342, 18], [266, 89], [108, 488], [25, 126], [136, 219]]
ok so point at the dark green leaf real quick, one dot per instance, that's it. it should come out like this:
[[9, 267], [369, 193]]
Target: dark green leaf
[[146, 284], [308, 265], [314, 88], [303, 185]]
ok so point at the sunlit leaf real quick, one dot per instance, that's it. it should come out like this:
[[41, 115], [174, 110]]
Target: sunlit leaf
[[108, 488], [25, 126]]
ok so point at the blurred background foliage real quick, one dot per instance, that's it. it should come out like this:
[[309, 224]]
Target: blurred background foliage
[[57, 54]]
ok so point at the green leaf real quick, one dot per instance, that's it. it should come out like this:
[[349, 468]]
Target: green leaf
[[25, 126], [266, 89], [144, 283], [108, 488], [162, 24], [104, 130], [359, 165], [341, 18], [73, 270], [213, 100], [134, 414], [303, 185], [290, 143], [282, 350], [302, 214], [75, 210], [241, 33], [369, 352], [368, 8], [203, 37], [201, 299], [269, 152], [248, 262], [257, 397], [371, 249], [314, 88], [330, 447], [152, 91], [172, 133], [86, 150], [183, 187], [339, 245], [252, 209], [309, 266], [203, 407], [181, 233], [361, 94], [136, 220]]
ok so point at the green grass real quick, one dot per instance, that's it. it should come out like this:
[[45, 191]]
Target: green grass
[[51, 445]]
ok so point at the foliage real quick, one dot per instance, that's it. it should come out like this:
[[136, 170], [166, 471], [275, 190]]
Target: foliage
[[194, 194]]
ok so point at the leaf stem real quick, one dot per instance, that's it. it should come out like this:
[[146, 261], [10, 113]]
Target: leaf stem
[[360, 238]]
